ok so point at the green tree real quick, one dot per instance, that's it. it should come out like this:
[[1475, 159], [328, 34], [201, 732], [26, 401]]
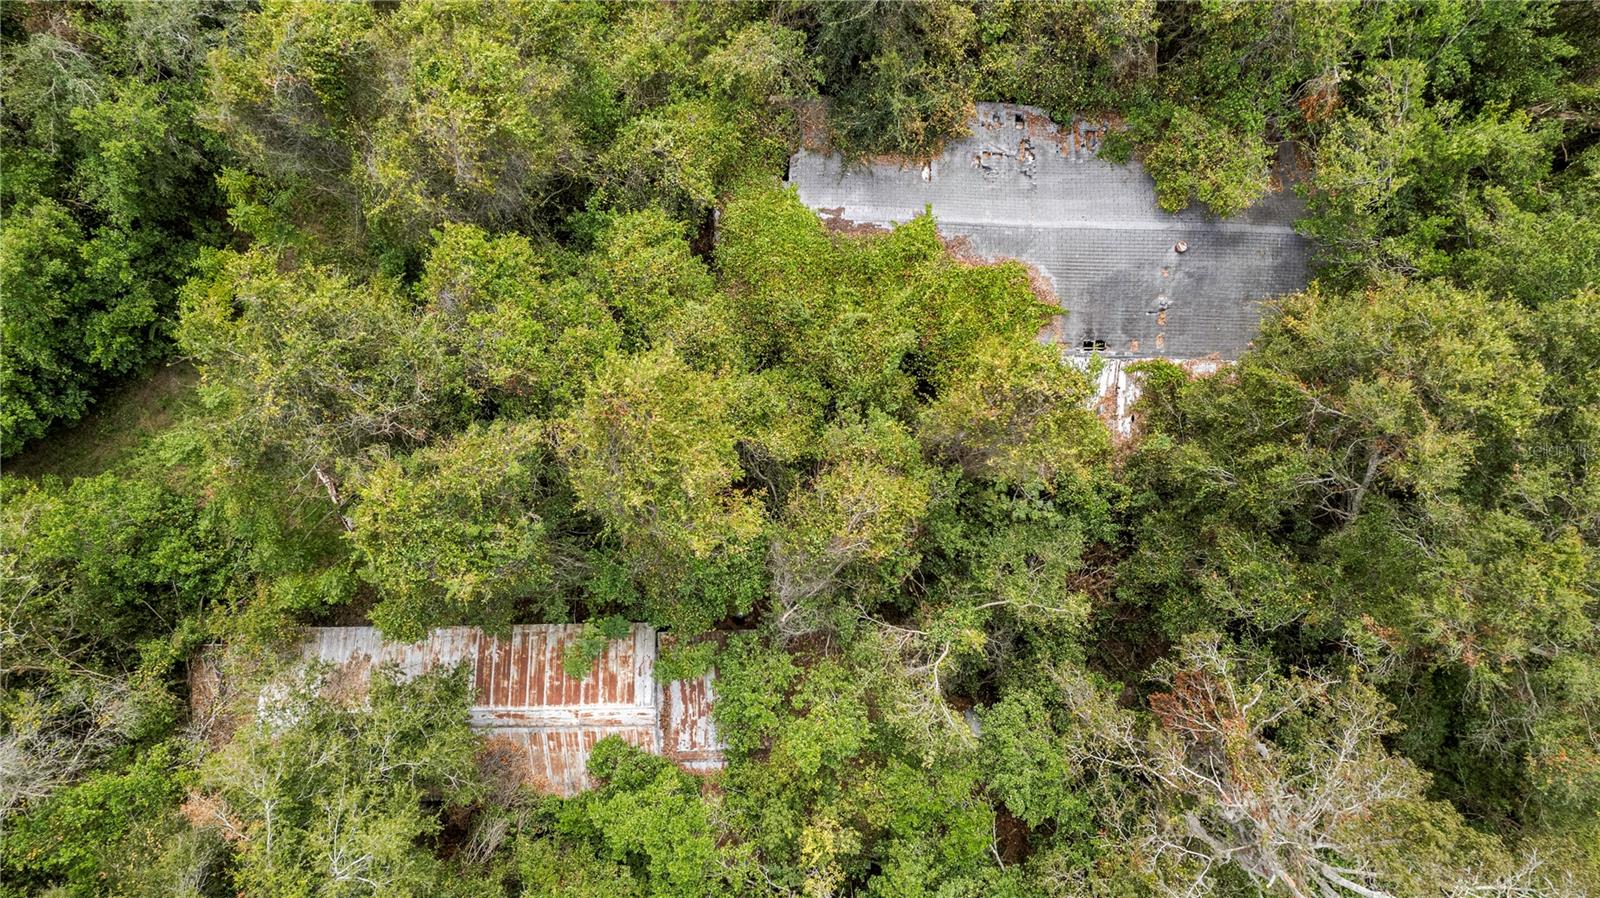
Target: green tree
[[548, 866], [473, 126], [95, 567], [840, 799], [682, 156], [871, 320], [82, 836], [310, 370], [108, 195], [452, 533], [292, 95], [321, 798], [1282, 778], [1197, 158], [652, 451], [646, 271], [1070, 58], [42, 380], [852, 527], [1030, 772], [899, 75], [1018, 415], [649, 814], [1399, 178], [1370, 474], [527, 335]]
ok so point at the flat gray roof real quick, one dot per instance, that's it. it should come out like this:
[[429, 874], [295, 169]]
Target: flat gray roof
[[1021, 187]]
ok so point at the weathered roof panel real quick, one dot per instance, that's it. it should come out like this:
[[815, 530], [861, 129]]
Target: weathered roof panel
[[1021, 187], [688, 732], [538, 720], [555, 761], [526, 669]]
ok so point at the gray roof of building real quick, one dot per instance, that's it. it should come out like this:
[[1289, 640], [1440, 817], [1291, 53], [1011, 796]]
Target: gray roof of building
[[1021, 187]]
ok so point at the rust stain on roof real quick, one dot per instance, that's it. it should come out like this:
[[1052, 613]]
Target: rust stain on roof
[[540, 722], [687, 732]]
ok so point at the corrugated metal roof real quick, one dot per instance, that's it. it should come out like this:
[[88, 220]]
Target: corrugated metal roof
[[1021, 187], [539, 720], [688, 734]]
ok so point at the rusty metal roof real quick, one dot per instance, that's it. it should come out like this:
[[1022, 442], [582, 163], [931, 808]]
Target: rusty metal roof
[[1021, 187], [536, 718]]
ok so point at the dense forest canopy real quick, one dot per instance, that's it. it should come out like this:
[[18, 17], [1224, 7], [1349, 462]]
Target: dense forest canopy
[[496, 313]]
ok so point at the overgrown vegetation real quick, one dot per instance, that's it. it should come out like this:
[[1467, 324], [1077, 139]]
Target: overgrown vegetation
[[109, 192], [500, 316]]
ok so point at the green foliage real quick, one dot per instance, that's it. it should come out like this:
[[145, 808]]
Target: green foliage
[[312, 371], [107, 194], [1400, 182], [1069, 58], [1368, 475], [1538, 252], [452, 535], [645, 270], [309, 369], [685, 661], [288, 94], [853, 525], [369, 129], [753, 683], [546, 867], [1195, 158], [513, 327], [837, 800], [871, 321], [651, 451], [1208, 89], [527, 335], [1013, 587], [649, 814], [81, 835], [579, 658], [1230, 734], [679, 156], [320, 794], [898, 74], [760, 60], [1017, 416], [473, 125], [78, 311], [1030, 772], [95, 567]]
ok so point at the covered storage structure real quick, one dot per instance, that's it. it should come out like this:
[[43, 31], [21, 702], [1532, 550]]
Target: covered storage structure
[[538, 720]]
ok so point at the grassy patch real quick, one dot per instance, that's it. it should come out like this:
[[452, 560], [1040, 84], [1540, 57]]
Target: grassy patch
[[121, 422]]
